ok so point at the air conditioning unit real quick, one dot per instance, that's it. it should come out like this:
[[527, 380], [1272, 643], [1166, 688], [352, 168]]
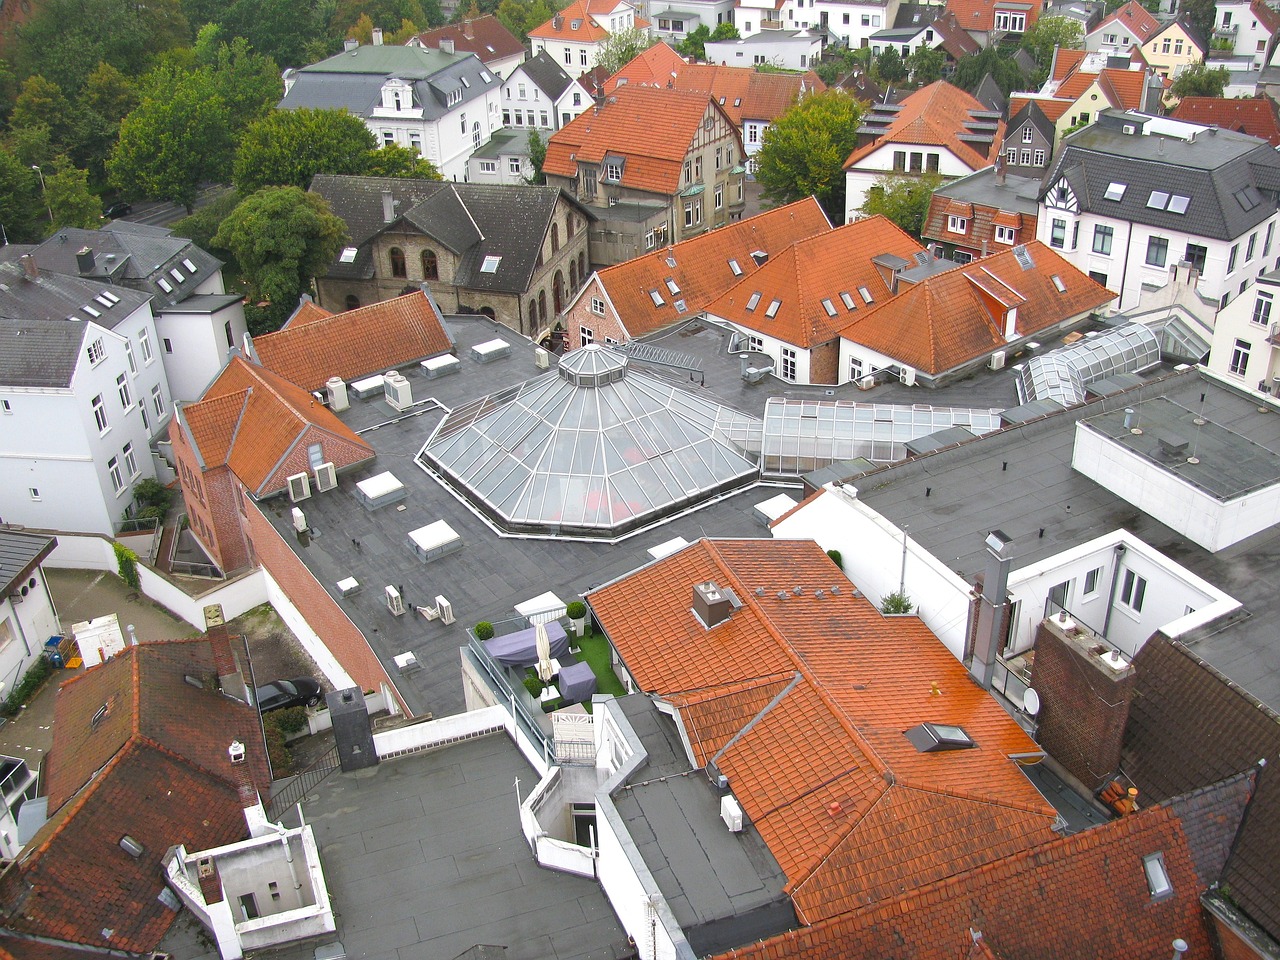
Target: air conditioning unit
[[1130, 129], [731, 814], [336, 387], [397, 391], [299, 487], [326, 477], [866, 383], [299, 520], [541, 359], [997, 360], [395, 602]]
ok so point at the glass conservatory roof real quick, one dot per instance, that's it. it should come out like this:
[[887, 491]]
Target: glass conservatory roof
[[592, 448], [1063, 374]]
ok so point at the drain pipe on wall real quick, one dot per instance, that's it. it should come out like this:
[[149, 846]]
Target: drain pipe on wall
[[1115, 583]]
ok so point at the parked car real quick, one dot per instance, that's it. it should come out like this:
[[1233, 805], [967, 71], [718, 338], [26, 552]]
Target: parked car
[[117, 210], [278, 694]]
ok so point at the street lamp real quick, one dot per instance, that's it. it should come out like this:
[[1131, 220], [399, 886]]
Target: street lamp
[[40, 174]]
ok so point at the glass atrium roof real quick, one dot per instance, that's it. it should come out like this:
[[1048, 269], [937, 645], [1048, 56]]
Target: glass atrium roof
[[1063, 374], [592, 448]]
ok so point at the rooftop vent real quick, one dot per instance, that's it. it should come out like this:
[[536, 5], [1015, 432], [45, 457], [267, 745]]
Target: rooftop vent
[[711, 604], [236, 751], [760, 257], [1172, 445], [131, 846]]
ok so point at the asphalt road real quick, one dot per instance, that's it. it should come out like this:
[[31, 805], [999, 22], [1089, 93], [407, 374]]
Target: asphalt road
[[163, 213]]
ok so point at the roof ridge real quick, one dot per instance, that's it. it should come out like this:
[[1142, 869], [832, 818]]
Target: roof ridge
[[75, 804]]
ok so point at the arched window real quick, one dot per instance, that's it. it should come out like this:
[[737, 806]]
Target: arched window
[[555, 237], [353, 302], [582, 266], [397, 262], [568, 227], [533, 315], [573, 276], [430, 267], [542, 306], [557, 292], [475, 135]]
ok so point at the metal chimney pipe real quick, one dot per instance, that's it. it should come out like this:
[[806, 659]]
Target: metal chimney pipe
[[987, 635], [1128, 418], [133, 635], [1179, 948]]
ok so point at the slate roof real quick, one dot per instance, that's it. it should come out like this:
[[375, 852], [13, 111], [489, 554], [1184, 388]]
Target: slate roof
[[485, 36], [1134, 17], [951, 318], [472, 220], [993, 203], [937, 115], [859, 814], [1211, 170], [352, 80], [357, 343], [651, 129], [249, 419], [1189, 726], [701, 268], [547, 74], [955, 39], [20, 554], [979, 16], [1255, 116], [134, 255], [153, 766], [815, 270], [1076, 898]]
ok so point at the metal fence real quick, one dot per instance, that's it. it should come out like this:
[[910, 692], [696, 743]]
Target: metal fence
[[299, 786]]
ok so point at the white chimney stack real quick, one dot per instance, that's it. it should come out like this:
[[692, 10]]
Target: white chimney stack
[[377, 36], [388, 207]]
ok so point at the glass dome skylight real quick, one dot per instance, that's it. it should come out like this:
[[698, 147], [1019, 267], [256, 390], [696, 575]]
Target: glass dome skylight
[[592, 448]]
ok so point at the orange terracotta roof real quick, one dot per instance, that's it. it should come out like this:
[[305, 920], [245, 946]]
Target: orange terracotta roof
[[1257, 116], [1065, 61], [811, 273], [651, 128], [859, 813], [702, 270], [1136, 18], [1124, 88], [308, 312], [357, 343], [1051, 107], [954, 317], [588, 31], [1046, 900], [979, 16], [249, 419], [935, 115], [652, 67], [138, 751]]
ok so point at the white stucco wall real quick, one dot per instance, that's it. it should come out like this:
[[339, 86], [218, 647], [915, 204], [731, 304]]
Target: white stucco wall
[[860, 179]]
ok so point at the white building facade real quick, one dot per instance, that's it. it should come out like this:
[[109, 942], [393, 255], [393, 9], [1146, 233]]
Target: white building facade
[[1246, 339], [788, 49]]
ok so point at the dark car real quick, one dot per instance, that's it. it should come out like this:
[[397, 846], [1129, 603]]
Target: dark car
[[118, 209], [278, 694]]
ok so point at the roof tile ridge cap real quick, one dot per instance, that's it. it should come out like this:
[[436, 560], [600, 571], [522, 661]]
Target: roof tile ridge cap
[[835, 842], [988, 800], [76, 803], [136, 678], [144, 740], [271, 389]]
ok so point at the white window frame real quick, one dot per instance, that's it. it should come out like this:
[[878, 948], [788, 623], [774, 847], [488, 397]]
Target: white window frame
[[1133, 591], [957, 224], [113, 472], [1239, 364], [1262, 309], [788, 364], [1092, 579], [96, 352], [100, 414], [122, 388], [488, 166], [597, 306], [1006, 235], [130, 461], [144, 341], [157, 400]]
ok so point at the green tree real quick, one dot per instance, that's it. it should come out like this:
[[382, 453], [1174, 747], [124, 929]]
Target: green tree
[[21, 210], [289, 147], [41, 101], [1050, 32], [621, 48], [903, 199], [1197, 80], [177, 138], [971, 69], [282, 237], [8, 89], [1201, 13], [292, 34], [387, 14], [803, 153], [521, 16], [110, 94], [889, 66], [693, 44], [248, 83], [400, 162], [538, 156], [70, 200], [926, 65], [202, 226]]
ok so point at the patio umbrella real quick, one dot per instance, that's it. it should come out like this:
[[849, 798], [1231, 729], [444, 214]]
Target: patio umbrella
[[544, 651]]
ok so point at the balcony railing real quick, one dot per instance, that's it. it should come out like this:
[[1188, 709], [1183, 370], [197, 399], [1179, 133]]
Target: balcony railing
[[1273, 335], [1226, 33]]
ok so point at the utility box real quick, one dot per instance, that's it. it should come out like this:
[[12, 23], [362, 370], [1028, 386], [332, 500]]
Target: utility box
[[351, 730]]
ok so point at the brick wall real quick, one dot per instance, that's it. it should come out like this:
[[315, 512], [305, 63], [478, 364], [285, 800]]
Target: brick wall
[[580, 315], [824, 363], [342, 453], [339, 634], [1084, 704], [211, 505]]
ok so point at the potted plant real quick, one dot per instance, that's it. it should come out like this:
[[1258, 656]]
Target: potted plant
[[483, 630], [577, 614]]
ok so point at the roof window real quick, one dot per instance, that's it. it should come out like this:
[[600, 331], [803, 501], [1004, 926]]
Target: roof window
[[164, 285], [1115, 191], [1248, 198], [865, 294], [828, 306], [1058, 284], [104, 301], [773, 309], [1158, 882], [671, 286], [177, 274], [681, 306], [111, 296], [1178, 204], [189, 265], [936, 737], [348, 255], [484, 74], [847, 299], [737, 270], [90, 311], [1158, 200], [490, 265], [656, 297], [754, 301], [466, 83]]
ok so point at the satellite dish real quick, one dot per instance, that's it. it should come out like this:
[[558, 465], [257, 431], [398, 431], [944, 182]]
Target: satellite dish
[[1031, 702]]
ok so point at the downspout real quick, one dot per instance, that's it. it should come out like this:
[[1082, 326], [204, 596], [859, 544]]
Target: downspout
[[1124, 275], [1115, 581]]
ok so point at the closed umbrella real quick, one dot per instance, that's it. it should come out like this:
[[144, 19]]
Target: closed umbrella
[[544, 651]]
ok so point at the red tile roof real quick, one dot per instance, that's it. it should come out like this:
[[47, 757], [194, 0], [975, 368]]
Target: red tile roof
[[249, 419], [1257, 116], [485, 36], [983, 219], [1076, 898], [308, 312], [954, 317], [1135, 17], [979, 16], [935, 115], [357, 343], [702, 271], [1064, 62], [590, 30], [653, 129], [1265, 15], [653, 67], [811, 273], [859, 813], [1051, 107], [153, 767]]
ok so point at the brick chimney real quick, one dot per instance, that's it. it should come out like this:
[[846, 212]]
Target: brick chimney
[[447, 45], [1085, 691], [467, 31], [230, 680], [29, 269]]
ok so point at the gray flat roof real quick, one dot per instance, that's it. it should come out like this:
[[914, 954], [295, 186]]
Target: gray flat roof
[[424, 857], [1015, 193], [725, 889], [19, 554], [1020, 480]]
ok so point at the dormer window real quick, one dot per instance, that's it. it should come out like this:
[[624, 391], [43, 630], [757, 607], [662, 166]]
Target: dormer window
[[455, 97], [936, 737]]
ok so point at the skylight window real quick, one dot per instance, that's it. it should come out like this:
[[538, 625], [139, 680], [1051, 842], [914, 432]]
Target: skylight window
[[191, 267], [1158, 882], [828, 306], [1058, 284], [1248, 198], [348, 255], [177, 274], [484, 75], [936, 737], [466, 83], [737, 270], [164, 285], [1158, 200], [90, 311], [847, 299], [671, 287], [490, 265], [104, 301], [681, 306], [1178, 204], [865, 294], [773, 309], [656, 297], [111, 296], [754, 301], [1115, 191]]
